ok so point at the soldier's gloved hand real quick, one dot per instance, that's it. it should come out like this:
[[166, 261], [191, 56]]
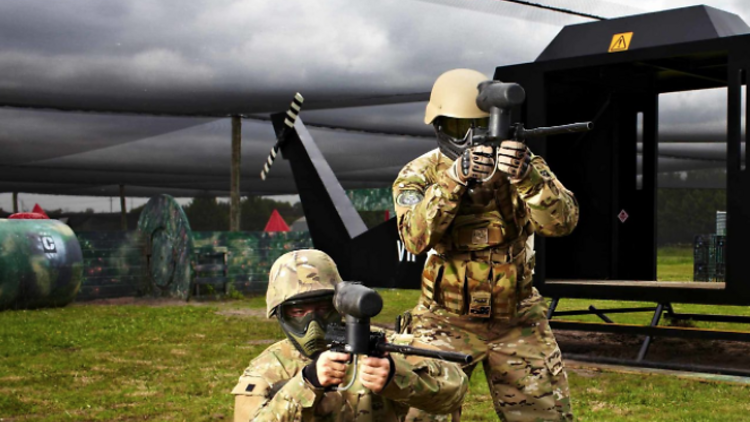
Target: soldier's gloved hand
[[475, 163], [331, 368], [513, 159], [375, 373]]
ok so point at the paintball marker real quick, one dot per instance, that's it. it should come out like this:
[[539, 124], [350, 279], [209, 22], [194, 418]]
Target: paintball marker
[[359, 303], [498, 99]]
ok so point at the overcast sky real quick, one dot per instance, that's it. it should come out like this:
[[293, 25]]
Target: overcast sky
[[222, 57]]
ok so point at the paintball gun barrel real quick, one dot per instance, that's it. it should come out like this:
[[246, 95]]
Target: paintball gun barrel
[[498, 99], [359, 303]]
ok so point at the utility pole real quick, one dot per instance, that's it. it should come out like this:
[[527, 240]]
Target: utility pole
[[234, 205], [123, 210]]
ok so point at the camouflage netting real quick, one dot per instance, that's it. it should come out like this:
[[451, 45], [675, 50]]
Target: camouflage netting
[[250, 254], [114, 264], [62, 152], [372, 199]]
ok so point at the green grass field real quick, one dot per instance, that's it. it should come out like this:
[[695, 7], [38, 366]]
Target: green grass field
[[674, 264], [178, 362]]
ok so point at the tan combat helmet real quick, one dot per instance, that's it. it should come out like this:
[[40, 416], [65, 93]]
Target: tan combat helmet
[[300, 274], [454, 94]]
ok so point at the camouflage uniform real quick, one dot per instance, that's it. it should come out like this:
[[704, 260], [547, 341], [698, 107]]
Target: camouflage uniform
[[273, 387], [477, 294], [280, 393]]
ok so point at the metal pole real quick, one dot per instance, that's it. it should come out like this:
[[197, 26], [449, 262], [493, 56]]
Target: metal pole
[[552, 307], [123, 210], [234, 206], [659, 365], [15, 202], [600, 314], [647, 340]]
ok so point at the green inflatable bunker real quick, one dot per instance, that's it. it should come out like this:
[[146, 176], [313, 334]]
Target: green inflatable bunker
[[41, 264]]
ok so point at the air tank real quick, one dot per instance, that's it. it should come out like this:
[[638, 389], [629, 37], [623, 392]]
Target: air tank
[[41, 264]]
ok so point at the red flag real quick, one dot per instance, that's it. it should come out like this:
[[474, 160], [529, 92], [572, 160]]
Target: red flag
[[38, 210], [276, 223]]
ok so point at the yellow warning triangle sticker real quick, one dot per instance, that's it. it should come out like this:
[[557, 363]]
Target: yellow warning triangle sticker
[[620, 42]]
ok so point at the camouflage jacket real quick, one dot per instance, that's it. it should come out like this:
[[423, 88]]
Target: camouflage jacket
[[443, 208], [491, 221], [275, 390]]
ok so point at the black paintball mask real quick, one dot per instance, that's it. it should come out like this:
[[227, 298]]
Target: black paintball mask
[[304, 321], [455, 135]]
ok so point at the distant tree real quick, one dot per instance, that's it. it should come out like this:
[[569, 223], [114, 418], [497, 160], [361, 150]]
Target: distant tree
[[207, 214], [684, 213], [255, 212], [137, 210]]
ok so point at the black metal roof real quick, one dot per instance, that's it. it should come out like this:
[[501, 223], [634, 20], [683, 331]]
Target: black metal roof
[[666, 27]]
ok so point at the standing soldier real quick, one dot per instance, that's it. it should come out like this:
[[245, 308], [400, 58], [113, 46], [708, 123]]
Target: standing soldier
[[295, 379], [476, 211]]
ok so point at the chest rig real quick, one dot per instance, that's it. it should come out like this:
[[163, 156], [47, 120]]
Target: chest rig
[[480, 268]]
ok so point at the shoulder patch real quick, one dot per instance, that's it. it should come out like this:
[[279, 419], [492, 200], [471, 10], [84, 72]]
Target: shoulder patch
[[409, 198]]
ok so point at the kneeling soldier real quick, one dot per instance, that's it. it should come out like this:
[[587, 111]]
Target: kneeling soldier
[[296, 379]]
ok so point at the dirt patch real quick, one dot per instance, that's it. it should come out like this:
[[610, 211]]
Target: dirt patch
[[719, 353]]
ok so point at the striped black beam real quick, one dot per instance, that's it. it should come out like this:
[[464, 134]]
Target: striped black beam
[[291, 117]]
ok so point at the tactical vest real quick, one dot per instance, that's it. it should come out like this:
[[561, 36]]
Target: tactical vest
[[480, 266]]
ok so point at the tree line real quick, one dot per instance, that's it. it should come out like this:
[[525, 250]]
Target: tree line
[[208, 214]]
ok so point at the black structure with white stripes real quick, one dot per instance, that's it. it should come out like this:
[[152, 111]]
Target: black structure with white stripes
[[289, 119]]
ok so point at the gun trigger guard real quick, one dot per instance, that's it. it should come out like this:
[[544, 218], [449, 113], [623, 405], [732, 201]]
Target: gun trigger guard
[[354, 376]]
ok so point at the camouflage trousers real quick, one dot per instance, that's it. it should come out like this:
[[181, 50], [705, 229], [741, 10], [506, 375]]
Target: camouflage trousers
[[520, 357]]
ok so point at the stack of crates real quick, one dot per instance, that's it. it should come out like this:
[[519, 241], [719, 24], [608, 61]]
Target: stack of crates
[[719, 261], [720, 253], [709, 258], [721, 223], [700, 258]]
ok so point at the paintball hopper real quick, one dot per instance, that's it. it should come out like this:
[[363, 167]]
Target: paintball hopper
[[498, 99], [358, 304], [500, 95], [357, 300]]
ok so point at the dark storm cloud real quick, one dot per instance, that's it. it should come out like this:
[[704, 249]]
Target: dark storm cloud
[[217, 57]]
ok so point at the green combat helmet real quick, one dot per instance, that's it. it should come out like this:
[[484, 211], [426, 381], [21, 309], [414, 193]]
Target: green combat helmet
[[301, 281]]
